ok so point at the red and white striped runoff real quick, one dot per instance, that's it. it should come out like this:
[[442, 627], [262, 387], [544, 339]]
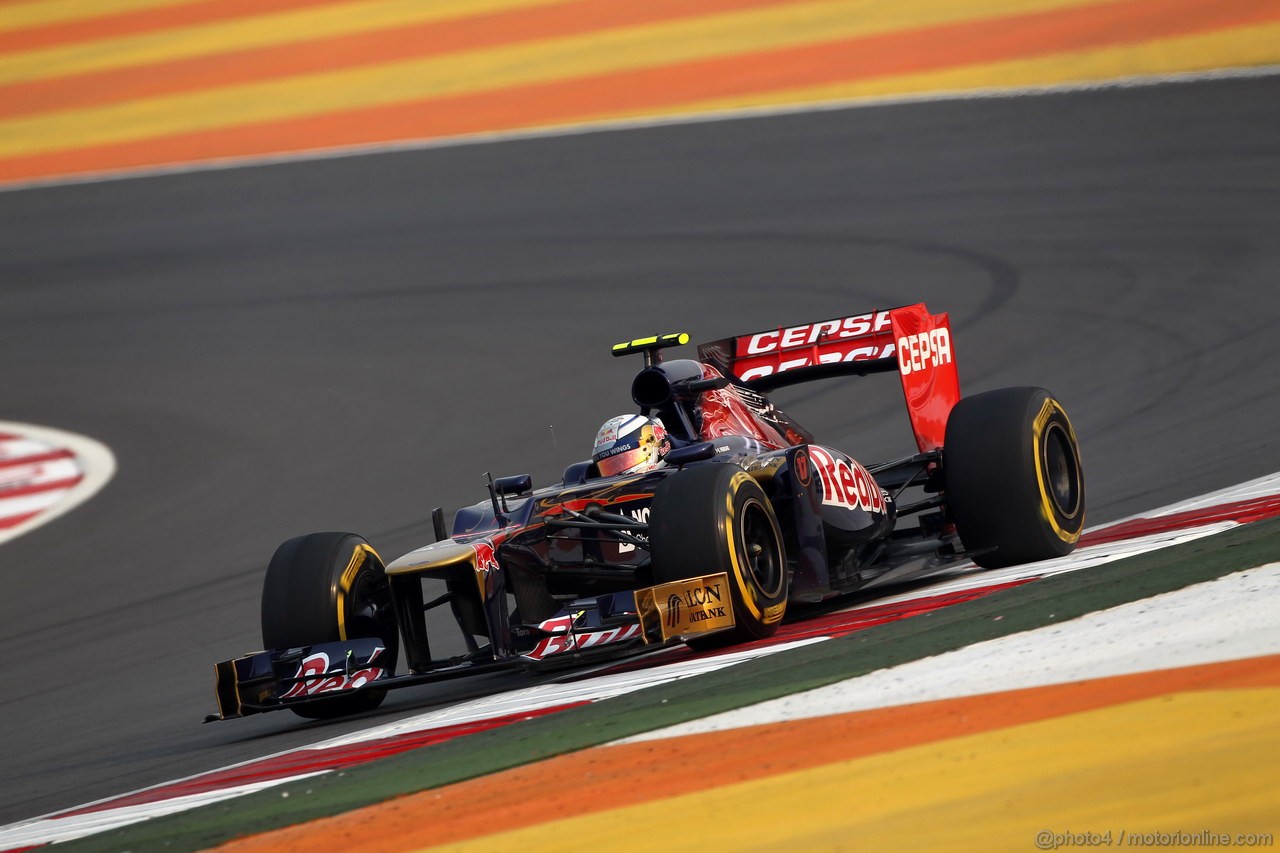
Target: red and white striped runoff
[[44, 473]]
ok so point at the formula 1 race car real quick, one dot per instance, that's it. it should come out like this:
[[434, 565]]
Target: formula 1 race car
[[743, 514]]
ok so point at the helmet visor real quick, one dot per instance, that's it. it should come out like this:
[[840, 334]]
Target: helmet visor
[[627, 460]]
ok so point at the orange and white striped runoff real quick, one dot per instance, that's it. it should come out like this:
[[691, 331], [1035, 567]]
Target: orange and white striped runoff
[[90, 86]]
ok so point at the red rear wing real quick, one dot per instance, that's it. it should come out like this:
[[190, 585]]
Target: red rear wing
[[909, 339]]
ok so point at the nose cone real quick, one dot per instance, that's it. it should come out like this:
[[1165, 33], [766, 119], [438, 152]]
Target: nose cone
[[438, 555]]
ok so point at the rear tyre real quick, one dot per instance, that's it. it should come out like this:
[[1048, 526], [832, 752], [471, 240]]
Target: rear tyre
[[715, 518], [324, 588], [1013, 482]]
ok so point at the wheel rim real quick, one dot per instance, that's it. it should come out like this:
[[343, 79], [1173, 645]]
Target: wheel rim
[[369, 609], [760, 549], [1062, 472]]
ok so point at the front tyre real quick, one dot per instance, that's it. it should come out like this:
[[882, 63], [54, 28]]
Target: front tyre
[[1013, 482], [323, 588], [715, 518]]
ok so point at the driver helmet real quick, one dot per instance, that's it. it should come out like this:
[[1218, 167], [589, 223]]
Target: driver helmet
[[630, 444]]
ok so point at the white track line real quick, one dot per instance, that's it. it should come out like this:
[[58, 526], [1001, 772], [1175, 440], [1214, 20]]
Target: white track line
[[1260, 488], [552, 695], [51, 830]]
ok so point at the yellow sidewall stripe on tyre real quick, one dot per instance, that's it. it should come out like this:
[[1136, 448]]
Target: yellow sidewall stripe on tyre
[[731, 540], [768, 615], [358, 557], [1047, 410]]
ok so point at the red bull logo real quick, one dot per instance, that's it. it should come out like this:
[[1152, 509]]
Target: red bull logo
[[845, 483], [316, 665], [486, 560], [564, 639]]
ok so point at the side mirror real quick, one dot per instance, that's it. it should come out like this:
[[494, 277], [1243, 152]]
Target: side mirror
[[692, 453], [516, 484], [437, 523]]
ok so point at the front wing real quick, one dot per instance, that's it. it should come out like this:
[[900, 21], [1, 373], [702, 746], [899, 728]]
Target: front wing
[[275, 679]]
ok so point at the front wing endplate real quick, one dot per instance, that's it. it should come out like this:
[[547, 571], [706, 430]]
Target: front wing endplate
[[685, 608]]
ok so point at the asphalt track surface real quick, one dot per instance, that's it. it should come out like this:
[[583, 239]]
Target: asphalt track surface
[[343, 344]]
